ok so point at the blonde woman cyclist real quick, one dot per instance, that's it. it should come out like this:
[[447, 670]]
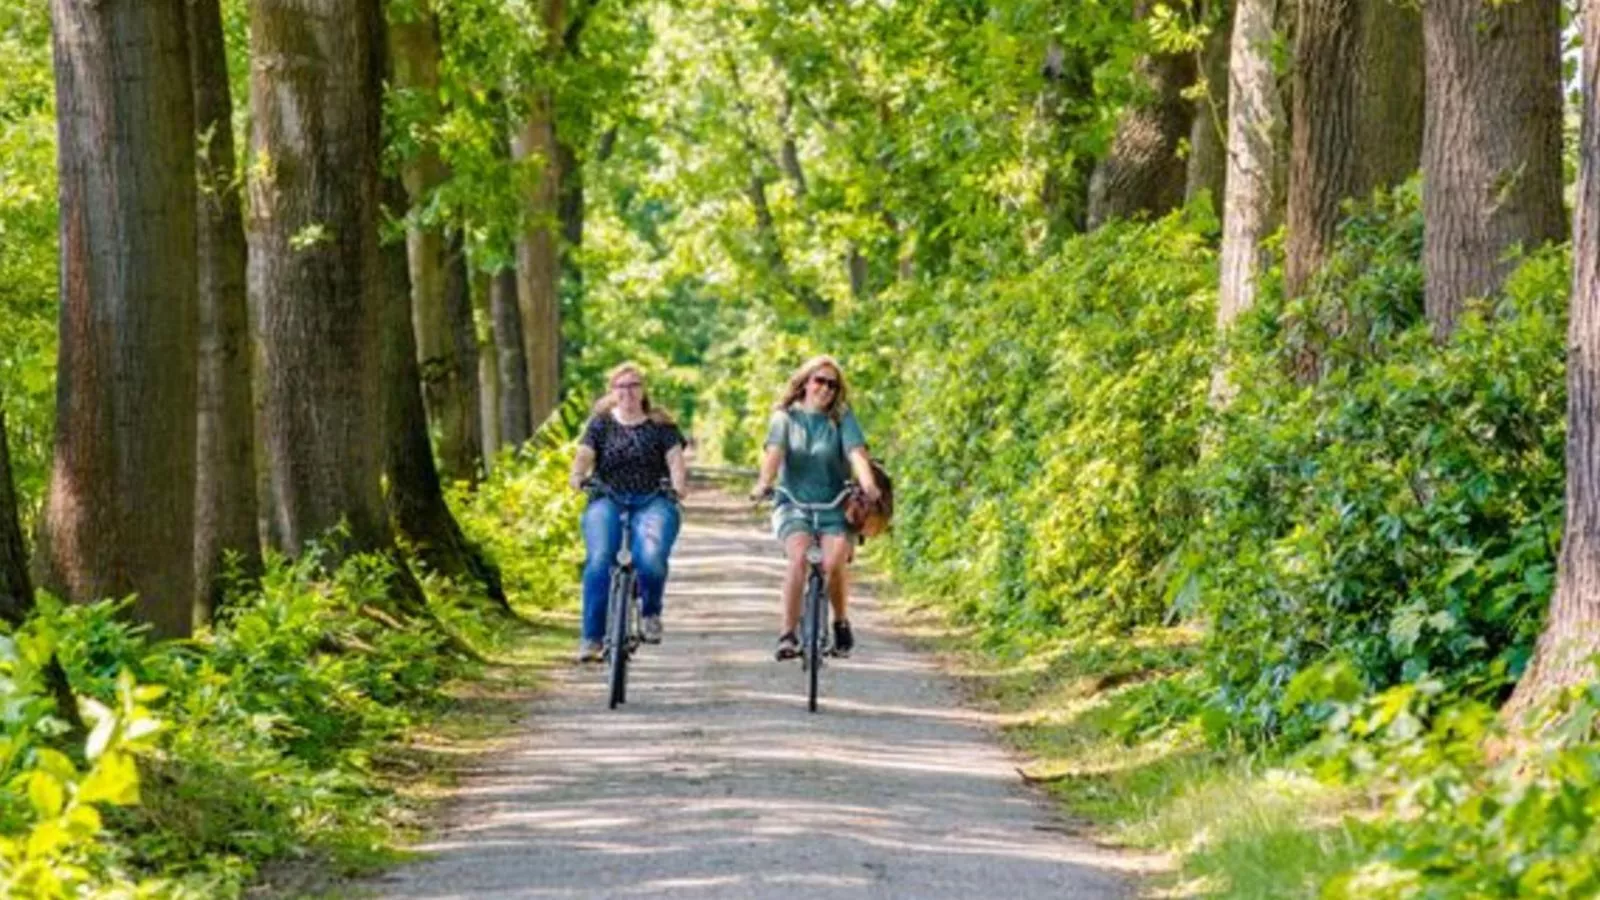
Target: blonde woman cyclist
[[814, 445], [632, 448]]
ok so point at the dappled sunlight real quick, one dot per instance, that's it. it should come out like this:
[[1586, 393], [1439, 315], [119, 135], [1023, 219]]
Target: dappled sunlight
[[714, 780]]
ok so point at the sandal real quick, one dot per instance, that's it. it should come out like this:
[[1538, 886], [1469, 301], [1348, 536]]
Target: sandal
[[788, 646]]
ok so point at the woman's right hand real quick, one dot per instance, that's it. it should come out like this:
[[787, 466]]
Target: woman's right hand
[[760, 491], [576, 481]]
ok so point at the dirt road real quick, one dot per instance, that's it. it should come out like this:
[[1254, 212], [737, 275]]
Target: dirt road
[[714, 781]]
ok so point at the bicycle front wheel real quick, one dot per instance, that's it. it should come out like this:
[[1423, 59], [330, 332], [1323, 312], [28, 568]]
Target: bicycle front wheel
[[617, 613], [816, 626]]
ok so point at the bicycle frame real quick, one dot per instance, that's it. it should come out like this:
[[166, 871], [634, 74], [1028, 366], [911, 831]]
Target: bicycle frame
[[624, 606], [814, 641]]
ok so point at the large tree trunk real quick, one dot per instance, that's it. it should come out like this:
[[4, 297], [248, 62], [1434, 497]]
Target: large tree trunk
[[1389, 120], [1255, 143], [573, 208], [1491, 155], [516, 416], [16, 588], [446, 377], [1208, 135], [538, 253], [416, 498], [1571, 635], [1143, 174], [119, 516], [225, 477], [313, 228], [1324, 160], [488, 367]]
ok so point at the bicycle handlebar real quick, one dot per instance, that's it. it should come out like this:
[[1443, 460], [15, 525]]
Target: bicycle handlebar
[[810, 507], [594, 487]]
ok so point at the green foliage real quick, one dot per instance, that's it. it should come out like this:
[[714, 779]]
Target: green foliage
[[27, 242], [1402, 512], [1043, 427], [265, 733]]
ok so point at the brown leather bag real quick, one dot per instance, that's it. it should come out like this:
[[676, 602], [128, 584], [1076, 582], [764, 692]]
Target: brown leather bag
[[865, 517]]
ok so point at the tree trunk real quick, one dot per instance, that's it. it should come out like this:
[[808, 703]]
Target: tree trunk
[[573, 209], [416, 497], [1208, 136], [16, 589], [464, 337], [1324, 161], [1064, 192], [1255, 143], [488, 367], [516, 416], [772, 251], [446, 377], [119, 515], [313, 228], [1389, 121], [538, 253], [1571, 633], [1491, 155], [1143, 174], [225, 476]]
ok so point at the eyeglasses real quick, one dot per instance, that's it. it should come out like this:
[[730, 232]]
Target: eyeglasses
[[825, 381], [627, 385]]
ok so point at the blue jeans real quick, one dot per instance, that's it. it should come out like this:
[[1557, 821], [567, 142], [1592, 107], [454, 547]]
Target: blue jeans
[[654, 524]]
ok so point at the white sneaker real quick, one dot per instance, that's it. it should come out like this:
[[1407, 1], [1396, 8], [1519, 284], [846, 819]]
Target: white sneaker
[[590, 651], [652, 629]]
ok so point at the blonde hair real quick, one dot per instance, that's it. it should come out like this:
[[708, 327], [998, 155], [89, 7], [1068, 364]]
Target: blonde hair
[[795, 390], [608, 400]]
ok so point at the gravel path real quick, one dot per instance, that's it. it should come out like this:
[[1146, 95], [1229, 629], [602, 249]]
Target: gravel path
[[714, 781]]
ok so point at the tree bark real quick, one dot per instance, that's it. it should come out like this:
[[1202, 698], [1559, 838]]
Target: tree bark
[[119, 515], [416, 498], [1324, 161], [225, 476], [313, 230], [538, 253], [573, 209], [16, 588], [516, 415], [1256, 128], [488, 367], [446, 377], [1389, 121], [464, 336], [1571, 632], [1143, 174], [1491, 155], [1208, 136]]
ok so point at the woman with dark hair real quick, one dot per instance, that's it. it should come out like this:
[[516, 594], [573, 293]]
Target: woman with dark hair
[[634, 450], [814, 445]]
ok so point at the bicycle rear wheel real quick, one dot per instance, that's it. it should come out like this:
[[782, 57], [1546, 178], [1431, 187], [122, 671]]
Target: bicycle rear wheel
[[617, 613], [816, 626]]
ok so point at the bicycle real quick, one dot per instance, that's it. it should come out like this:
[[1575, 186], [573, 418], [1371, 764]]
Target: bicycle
[[624, 605], [814, 609]]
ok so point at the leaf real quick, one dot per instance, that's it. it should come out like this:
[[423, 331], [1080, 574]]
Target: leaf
[[115, 779], [46, 794]]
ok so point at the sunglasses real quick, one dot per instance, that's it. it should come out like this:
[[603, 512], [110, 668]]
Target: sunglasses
[[627, 385], [824, 381]]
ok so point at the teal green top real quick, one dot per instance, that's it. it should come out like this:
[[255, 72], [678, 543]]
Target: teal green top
[[815, 467]]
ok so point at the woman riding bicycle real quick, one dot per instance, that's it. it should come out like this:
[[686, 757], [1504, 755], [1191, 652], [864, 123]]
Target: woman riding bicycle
[[816, 443], [631, 449]]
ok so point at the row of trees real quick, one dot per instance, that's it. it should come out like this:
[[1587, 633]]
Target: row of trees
[[248, 362]]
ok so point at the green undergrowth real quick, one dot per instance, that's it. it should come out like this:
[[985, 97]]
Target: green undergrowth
[[295, 742], [1222, 821]]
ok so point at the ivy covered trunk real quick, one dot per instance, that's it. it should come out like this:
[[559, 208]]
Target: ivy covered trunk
[[1208, 152], [119, 515], [225, 489], [1491, 156], [1571, 636], [314, 265]]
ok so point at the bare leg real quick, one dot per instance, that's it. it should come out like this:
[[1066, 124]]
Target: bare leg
[[794, 579], [836, 568]]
